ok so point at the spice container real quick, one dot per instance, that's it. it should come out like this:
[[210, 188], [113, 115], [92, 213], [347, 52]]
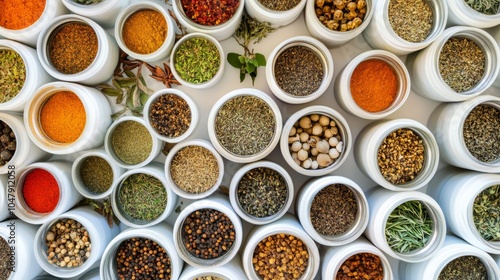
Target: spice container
[[104, 12], [4, 195], [315, 140], [261, 192], [89, 234], [44, 190], [194, 169], [473, 13], [468, 133], [212, 222], [470, 202], [145, 31], [158, 237], [455, 260], [324, 20], [277, 13], [22, 21], [76, 49], [412, 214], [130, 144], [58, 106], [141, 197], [171, 115], [219, 19], [402, 27], [16, 148], [360, 258], [460, 64], [198, 61], [399, 155], [231, 270], [373, 85], [25, 264], [303, 264], [94, 174], [333, 210], [24, 74], [300, 69], [244, 125]]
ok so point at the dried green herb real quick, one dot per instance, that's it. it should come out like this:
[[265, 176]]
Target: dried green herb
[[131, 142], [102, 207], [465, 267], [249, 31], [87, 2], [487, 7], [408, 227], [96, 174], [12, 74], [486, 213], [197, 60], [481, 133], [411, 19]]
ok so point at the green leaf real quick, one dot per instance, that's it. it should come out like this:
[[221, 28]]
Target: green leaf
[[233, 59], [126, 82], [119, 114], [242, 76], [129, 73], [242, 59], [250, 68], [254, 62], [111, 92], [143, 97], [261, 59], [253, 75], [116, 84]]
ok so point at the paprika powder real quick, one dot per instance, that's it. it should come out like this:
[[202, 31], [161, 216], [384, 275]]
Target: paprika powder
[[210, 12], [374, 85], [40, 191], [19, 14]]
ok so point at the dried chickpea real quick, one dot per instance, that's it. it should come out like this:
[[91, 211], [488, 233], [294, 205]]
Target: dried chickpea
[[346, 14]]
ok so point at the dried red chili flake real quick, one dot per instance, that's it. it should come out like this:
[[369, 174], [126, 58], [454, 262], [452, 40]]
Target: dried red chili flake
[[210, 12]]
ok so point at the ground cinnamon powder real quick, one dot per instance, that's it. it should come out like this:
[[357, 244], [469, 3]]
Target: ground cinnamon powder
[[19, 14], [374, 85]]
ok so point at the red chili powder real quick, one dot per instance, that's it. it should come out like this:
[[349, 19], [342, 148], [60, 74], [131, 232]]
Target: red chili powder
[[19, 14], [41, 191]]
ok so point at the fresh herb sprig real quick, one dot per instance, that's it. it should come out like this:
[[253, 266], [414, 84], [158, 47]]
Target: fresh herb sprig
[[487, 7], [486, 213], [249, 31], [408, 227]]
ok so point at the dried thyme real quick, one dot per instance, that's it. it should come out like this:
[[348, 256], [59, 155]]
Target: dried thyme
[[481, 133], [245, 125], [197, 60], [279, 5], [461, 63], [466, 267], [411, 19], [487, 7], [486, 213], [131, 142], [96, 174], [12, 74]]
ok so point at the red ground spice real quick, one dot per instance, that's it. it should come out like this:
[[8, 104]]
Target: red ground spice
[[210, 12], [41, 191]]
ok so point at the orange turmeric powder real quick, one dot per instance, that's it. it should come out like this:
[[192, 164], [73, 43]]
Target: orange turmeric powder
[[62, 117], [19, 14]]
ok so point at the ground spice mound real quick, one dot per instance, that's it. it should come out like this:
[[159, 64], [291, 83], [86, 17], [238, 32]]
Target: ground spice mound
[[19, 14]]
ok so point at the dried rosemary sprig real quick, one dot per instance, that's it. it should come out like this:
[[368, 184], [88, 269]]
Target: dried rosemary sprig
[[487, 7]]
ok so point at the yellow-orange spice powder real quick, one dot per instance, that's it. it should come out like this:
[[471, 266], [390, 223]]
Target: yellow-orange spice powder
[[144, 31], [62, 117], [19, 14]]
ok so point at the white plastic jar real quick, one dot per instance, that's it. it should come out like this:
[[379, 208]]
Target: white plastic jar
[[222, 205], [26, 151], [343, 130], [447, 124], [380, 34], [462, 14], [342, 87], [35, 75], [333, 258], [452, 249], [287, 225], [97, 118], [332, 38], [68, 195], [160, 233], [193, 108], [212, 118], [313, 45], [103, 12], [155, 171], [382, 202], [220, 32], [6, 187], [104, 63], [229, 271], [258, 11], [99, 233], [234, 197], [303, 209], [372, 137], [29, 35], [424, 65], [456, 190], [21, 236], [222, 61], [205, 144], [108, 143], [164, 50], [77, 178]]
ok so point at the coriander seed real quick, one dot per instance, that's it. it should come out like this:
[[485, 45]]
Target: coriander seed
[[68, 243], [170, 115], [96, 174], [481, 134], [465, 267], [411, 20]]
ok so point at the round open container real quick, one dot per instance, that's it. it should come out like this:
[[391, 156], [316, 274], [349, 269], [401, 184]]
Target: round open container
[[276, 18], [460, 13], [97, 118], [103, 12], [231, 270]]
